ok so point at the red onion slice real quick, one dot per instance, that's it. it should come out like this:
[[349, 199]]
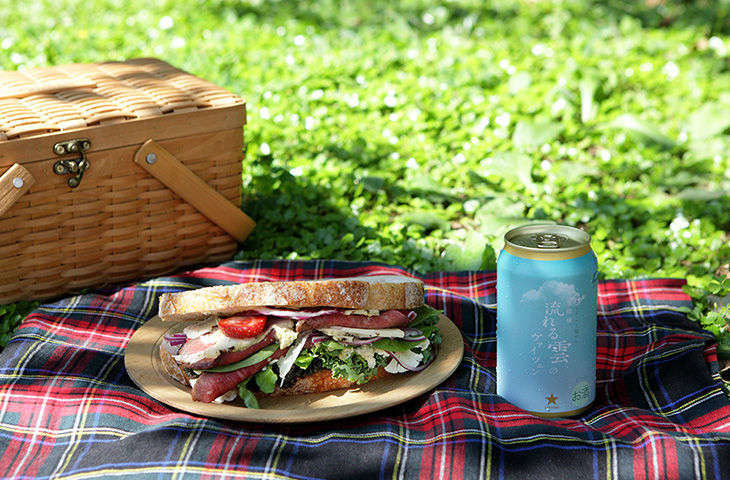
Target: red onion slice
[[319, 338], [417, 369], [360, 341], [414, 339], [293, 314], [175, 339], [413, 335]]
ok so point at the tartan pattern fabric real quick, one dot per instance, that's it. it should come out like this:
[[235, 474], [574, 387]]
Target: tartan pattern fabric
[[68, 408]]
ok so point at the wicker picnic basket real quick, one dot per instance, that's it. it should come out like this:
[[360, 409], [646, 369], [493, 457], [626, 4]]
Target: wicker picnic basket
[[114, 172]]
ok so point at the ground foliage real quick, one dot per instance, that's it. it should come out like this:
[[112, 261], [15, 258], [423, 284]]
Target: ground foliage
[[417, 132]]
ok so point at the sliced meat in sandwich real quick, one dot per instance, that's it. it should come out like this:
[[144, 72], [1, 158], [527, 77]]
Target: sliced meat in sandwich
[[288, 338]]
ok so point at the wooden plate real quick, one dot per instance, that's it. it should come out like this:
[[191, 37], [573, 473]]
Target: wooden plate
[[143, 364]]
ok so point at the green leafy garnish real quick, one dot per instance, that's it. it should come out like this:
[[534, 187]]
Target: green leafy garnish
[[304, 360], [394, 344], [249, 399], [257, 357], [266, 379], [426, 315], [351, 367], [426, 321]]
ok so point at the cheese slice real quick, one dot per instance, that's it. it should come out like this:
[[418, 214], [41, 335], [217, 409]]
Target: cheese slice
[[362, 332]]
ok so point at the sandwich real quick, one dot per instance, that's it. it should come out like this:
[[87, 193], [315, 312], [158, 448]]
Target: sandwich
[[296, 337]]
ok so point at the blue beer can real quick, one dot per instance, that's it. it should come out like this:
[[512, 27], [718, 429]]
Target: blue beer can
[[547, 282]]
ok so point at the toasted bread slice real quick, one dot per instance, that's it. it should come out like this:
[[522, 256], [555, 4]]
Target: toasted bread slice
[[321, 381], [382, 292]]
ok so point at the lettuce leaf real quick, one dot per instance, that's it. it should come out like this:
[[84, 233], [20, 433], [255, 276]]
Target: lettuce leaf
[[394, 344], [249, 399], [426, 320], [304, 360], [355, 368], [425, 316], [266, 379], [351, 367]]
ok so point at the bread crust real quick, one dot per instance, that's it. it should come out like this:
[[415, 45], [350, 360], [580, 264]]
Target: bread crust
[[318, 382], [172, 368], [382, 292]]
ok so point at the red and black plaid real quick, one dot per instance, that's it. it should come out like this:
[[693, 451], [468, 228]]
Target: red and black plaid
[[68, 409]]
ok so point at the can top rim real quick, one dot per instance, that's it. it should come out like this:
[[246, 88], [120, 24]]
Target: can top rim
[[546, 239]]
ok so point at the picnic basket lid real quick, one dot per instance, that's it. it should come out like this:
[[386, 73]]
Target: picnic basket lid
[[41, 101]]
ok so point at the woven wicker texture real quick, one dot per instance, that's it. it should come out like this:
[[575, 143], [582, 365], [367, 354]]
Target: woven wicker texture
[[109, 92], [120, 224]]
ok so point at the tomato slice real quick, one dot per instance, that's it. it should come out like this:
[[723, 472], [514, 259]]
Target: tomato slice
[[242, 326]]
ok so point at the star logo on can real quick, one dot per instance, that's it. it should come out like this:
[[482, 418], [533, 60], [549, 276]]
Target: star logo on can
[[552, 400]]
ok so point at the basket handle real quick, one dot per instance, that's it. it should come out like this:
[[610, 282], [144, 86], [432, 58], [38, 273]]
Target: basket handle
[[162, 165], [13, 185]]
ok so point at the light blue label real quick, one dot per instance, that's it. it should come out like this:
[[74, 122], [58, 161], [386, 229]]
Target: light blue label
[[546, 332]]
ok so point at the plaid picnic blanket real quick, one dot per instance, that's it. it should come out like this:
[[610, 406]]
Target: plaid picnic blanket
[[68, 408]]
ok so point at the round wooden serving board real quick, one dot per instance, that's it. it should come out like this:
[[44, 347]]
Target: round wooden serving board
[[142, 361]]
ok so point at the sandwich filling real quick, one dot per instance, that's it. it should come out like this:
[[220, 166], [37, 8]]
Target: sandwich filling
[[260, 349]]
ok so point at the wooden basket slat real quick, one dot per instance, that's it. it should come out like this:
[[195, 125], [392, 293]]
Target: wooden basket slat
[[121, 224], [47, 273]]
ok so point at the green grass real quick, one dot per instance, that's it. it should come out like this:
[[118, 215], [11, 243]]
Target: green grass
[[417, 134]]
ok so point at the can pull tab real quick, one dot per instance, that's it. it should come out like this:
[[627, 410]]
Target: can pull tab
[[548, 241]]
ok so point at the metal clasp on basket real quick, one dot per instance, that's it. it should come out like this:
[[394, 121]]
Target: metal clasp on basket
[[75, 167]]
